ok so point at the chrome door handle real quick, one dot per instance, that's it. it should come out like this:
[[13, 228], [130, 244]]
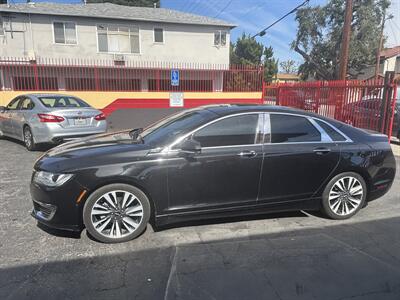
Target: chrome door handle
[[247, 153], [321, 151]]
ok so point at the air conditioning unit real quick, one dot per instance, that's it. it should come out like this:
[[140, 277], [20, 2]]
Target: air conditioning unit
[[31, 55], [119, 58]]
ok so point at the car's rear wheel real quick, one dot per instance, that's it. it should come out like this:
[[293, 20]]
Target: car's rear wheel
[[344, 196], [116, 213], [28, 139]]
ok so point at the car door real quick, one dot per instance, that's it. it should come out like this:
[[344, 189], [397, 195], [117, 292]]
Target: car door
[[225, 173], [8, 117], [21, 115], [299, 156]]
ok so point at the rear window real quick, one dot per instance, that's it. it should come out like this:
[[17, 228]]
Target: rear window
[[62, 101], [333, 134]]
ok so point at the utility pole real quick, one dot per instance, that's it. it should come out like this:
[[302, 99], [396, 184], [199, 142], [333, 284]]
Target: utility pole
[[379, 48], [344, 53]]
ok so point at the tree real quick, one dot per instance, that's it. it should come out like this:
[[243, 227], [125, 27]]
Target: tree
[[247, 51], [319, 35], [144, 3], [288, 66], [270, 64]]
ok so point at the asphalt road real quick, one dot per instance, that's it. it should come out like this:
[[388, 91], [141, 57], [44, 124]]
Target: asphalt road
[[280, 256]]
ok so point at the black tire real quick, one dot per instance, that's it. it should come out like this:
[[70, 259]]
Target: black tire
[[28, 139], [326, 207], [96, 195]]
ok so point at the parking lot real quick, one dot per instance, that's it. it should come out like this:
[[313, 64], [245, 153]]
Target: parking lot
[[281, 256]]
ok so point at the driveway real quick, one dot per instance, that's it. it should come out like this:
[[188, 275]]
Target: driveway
[[280, 256]]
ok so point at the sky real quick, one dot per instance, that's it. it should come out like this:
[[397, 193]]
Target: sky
[[251, 16]]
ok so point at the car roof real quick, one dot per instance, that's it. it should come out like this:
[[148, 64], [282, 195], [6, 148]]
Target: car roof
[[227, 109], [37, 95]]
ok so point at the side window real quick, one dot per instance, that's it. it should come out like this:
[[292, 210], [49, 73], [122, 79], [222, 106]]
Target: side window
[[26, 104], [292, 129], [220, 38], [333, 134], [13, 105], [237, 130]]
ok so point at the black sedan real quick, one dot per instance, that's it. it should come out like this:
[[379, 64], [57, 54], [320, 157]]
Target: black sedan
[[208, 162]]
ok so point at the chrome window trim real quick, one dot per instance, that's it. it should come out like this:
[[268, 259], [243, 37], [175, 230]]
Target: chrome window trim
[[319, 128], [266, 130], [348, 140], [324, 136], [180, 139], [267, 127]]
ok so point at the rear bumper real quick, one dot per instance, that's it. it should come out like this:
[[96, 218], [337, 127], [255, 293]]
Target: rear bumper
[[55, 133]]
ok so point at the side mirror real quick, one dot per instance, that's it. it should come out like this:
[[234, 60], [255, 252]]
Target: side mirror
[[190, 146], [2, 109]]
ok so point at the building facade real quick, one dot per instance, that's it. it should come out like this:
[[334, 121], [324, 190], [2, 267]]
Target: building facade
[[111, 32]]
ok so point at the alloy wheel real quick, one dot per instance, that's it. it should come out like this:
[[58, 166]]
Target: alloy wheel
[[117, 214], [345, 196], [28, 138]]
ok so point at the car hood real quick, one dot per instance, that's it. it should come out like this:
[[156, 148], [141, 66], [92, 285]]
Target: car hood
[[92, 151]]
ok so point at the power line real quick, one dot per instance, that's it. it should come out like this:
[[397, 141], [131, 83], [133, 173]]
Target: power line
[[195, 6], [225, 7], [262, 32]]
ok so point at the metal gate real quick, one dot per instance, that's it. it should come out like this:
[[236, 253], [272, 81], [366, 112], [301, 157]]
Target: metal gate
[[367, 104]]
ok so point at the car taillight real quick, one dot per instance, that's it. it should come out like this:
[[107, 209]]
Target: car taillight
[[100, 117], [46, 118]]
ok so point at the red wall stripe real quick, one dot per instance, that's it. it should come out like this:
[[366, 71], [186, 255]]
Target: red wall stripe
[[164, 103]]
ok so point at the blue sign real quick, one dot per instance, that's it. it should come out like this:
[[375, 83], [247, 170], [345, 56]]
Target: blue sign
[[175, 77]]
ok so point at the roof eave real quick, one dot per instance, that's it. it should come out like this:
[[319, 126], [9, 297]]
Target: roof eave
[[227, 25]]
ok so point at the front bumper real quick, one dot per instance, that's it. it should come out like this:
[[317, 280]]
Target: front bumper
[[58, 208]]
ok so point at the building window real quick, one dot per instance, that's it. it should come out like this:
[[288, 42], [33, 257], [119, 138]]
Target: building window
[[65, 33], [118, 39], [1, 27], [220, 38], [158, 35]]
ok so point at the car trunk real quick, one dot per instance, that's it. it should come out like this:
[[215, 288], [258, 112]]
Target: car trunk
[[77, 117]]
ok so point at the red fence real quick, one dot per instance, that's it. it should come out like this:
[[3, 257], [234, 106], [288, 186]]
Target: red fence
[[109, 75], [364, 104]]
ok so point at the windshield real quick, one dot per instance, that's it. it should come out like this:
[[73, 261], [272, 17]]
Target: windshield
[[168, 129], [62, 102]]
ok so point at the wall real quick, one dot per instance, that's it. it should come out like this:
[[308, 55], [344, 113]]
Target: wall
[[112, 101], [182, 43]]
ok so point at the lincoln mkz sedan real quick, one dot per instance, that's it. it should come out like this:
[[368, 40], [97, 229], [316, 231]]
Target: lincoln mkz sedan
[[209, 162], [49, 118]]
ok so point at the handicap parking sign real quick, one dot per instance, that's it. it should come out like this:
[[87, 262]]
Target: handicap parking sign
[[175, 77]]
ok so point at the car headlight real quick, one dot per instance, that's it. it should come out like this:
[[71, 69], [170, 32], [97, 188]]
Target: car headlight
[[51, 179]]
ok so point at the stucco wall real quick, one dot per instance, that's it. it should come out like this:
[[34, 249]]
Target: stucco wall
[[182, 43]]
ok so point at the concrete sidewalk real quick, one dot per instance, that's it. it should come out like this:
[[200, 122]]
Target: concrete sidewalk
[[396, 149]]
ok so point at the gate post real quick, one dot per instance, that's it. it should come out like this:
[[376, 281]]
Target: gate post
[[386, 113]]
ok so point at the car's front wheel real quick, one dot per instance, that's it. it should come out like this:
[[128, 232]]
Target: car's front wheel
[[344, 196], [28, 139], [116, 213]]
